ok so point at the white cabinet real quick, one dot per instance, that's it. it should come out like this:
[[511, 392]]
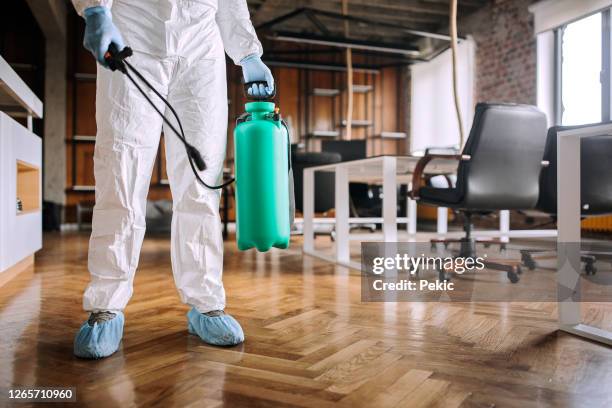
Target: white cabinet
[[20, 175]]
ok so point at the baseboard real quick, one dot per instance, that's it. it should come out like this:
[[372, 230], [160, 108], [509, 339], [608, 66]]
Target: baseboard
[[7, 275]]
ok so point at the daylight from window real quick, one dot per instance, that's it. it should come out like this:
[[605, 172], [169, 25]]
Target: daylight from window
[[581, 67]]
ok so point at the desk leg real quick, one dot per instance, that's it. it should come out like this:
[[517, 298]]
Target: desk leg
[[442, 220], [308, 207], [568, 229], [342, 215], [390, 199], [504, 225], [568, 243], [411, 213]]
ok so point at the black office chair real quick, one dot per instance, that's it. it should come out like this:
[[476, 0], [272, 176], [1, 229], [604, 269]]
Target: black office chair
[[324, 182], [365, 199], [595, 186], [499, 169]]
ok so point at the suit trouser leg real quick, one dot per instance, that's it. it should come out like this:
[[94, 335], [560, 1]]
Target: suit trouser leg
[[198, 92], [126, 145]]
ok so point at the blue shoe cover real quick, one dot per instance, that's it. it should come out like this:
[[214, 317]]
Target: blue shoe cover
[[221, 330], [100, 340]]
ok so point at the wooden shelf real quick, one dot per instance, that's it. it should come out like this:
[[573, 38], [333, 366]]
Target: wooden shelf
[[325, 92], [358, 89], [358, 123], [28, 187], [324, 134], [361, 89], [391, 135], [27, 212], [82, 139]]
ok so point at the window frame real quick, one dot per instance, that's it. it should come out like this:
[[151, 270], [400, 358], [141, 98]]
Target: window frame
[[605, 72]]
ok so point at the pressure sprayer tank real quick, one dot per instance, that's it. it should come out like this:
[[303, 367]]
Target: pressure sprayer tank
[[262, 187]]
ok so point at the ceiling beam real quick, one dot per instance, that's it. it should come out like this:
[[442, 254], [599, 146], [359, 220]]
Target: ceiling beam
[[357, 20], [431, 13]]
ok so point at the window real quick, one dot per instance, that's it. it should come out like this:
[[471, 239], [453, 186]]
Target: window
[[583, 71], [433, 119]]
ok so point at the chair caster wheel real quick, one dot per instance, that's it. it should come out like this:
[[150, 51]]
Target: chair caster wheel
[[443, 276], [528, 261], [590, 269], [513, 276]]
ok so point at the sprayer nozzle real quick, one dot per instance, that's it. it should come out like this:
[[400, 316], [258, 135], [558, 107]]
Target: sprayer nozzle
[[197, 158]]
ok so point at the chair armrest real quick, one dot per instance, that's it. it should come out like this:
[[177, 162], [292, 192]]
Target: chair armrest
[[423, 162]]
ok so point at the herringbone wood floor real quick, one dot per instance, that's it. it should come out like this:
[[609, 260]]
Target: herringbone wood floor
[[309, 342]]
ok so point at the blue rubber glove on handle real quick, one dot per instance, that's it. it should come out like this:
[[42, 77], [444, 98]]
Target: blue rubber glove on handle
[[253, 69], [100, 32]]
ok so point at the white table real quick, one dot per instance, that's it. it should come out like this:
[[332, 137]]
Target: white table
[[568, 255], [388, 171]]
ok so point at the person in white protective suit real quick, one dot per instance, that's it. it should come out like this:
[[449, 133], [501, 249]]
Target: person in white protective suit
[[178, 47]]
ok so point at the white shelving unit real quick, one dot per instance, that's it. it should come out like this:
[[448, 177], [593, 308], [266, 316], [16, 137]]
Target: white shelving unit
[[362, 88], [20, 175], [335, 92]]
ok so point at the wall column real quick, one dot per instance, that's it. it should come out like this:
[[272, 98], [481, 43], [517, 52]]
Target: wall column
[[52, 18]]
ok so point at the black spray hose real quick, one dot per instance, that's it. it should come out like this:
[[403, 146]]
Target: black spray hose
[[116, 62]]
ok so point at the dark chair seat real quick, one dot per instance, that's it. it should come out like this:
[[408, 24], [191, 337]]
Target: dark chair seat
[[434, 195]]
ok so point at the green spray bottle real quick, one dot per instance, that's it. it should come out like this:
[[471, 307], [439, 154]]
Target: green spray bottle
[[263, 186]]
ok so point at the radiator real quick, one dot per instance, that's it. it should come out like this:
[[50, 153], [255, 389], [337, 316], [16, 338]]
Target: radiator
[[597, 224]]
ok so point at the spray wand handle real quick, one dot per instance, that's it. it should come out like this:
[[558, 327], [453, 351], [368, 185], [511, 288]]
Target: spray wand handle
[[115, 57]]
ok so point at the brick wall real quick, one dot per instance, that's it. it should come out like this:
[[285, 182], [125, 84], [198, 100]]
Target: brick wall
[[506, 53]]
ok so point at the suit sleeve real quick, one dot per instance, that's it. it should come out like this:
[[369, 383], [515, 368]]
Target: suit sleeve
[[81, 5], [237, 32]]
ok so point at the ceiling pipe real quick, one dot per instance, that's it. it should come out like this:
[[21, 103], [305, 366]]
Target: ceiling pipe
[[453, 32], [349, 76], [337, 42]]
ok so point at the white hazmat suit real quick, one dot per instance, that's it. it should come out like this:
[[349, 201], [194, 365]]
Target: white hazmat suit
[[179, 48]]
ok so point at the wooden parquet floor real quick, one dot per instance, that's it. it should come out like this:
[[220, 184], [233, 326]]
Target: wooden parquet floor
[[310, 342]]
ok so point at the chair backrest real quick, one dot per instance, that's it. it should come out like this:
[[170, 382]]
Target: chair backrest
[[348, 149], [352, 150], [595, 174], [506, 145], [324, 182]]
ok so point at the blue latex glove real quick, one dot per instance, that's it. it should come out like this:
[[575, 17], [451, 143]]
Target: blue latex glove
[[100, 32], [253, 69], [220, 330]]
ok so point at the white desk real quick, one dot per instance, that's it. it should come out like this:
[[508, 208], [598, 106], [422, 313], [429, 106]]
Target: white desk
[[388, 171], [568, 240]]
